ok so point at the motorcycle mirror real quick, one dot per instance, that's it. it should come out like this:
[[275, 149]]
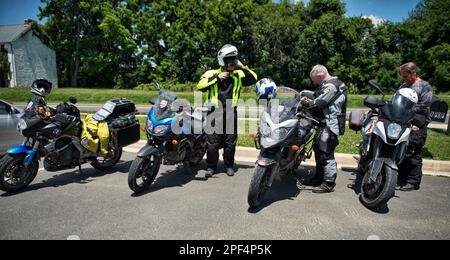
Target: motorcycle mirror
[[157, 85], [73, 100], [374, 84]]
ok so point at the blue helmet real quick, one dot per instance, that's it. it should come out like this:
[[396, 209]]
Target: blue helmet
[[266, 88]]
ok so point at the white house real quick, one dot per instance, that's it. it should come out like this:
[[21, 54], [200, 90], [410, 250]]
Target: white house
[[28, 56]]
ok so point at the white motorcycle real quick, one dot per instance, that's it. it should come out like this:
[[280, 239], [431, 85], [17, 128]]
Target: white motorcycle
[[385, 129]]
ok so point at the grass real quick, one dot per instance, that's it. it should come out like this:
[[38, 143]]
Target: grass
[[100, 96], [437, 146]]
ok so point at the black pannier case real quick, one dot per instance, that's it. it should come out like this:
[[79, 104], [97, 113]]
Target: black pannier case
[[128, 135]]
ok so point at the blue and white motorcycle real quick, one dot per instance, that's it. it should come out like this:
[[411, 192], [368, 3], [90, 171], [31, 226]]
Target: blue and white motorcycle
[[167, 145]]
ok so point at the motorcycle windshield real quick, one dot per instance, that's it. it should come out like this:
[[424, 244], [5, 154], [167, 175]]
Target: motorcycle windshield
[[284, 106], [400, 109], [31, 109], [163, 105]]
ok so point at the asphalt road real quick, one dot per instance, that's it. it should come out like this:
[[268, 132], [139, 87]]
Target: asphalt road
[[95, 205]]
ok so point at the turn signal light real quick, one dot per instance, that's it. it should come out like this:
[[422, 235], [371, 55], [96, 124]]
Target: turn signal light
[[295, 148], [142, 129], [174, 142], [253, 136]]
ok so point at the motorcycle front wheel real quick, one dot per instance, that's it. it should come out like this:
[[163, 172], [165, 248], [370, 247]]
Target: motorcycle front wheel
[[376, 194], [259, 185], [143, 171], [14, 176]]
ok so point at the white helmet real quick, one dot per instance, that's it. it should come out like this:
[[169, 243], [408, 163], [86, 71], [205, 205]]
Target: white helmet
[[227, 51], [266, 88], [410, 94]]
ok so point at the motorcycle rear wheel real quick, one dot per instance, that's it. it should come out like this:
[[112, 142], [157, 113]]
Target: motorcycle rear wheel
[[107, 162]]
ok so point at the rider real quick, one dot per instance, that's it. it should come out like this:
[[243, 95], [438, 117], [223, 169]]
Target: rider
[[333, 91], [222, 85], [410, 170]]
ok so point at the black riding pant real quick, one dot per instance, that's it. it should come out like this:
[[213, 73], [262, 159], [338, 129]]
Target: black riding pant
[[410, 170], [224, 141]]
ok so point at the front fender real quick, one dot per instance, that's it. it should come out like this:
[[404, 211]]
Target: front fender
[[147, 150], [23, 149], [267, 158], [19, 149]]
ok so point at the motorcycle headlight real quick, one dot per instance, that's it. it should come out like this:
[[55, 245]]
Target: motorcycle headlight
[[394, 131], [22, 125], [160, 129], [280, 133], [149, 125]]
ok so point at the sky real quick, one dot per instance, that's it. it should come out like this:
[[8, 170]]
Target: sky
[[15, 11]]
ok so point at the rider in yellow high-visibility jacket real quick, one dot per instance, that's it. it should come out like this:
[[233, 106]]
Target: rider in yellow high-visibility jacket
[[221, 85]]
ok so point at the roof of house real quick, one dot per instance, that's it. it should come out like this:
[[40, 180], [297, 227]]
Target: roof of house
[[9, 33]]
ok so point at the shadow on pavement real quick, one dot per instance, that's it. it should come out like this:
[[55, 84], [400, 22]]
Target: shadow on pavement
[[73, 176], [181, 176], [286, 188]]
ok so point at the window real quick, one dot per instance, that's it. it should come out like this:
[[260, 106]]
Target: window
[[4, 109]]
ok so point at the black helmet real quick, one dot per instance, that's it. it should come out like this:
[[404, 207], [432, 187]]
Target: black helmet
[[41, 87]]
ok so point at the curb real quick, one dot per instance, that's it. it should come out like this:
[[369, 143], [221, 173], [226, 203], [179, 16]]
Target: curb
[[346, 161]]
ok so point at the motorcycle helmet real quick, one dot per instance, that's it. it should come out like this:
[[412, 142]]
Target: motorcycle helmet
[[410, 94], [41, 87], [266, 88], [405, 98], [227, 55]]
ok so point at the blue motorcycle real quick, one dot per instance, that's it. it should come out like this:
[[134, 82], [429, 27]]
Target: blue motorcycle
[[167, 145]]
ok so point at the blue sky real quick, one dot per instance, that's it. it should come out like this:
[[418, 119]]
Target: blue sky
[[15, 11]]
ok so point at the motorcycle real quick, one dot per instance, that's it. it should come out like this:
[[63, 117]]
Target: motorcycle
[[284, 138], [56, 139], [165, 145], [385, 136]]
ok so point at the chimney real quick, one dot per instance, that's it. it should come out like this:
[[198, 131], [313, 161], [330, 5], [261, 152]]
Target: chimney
[[28, 21]]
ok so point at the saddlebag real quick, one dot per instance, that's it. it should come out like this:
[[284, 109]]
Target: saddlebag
[[128, 134], [356, 120]]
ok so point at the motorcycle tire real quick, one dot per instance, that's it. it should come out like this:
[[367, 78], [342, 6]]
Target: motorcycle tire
[[107, 164], [258, 185], [15, 161], [374, 197], [146, 169]]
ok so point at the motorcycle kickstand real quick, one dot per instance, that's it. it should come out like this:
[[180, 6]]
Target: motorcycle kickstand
[[299, 186], [79, 169]]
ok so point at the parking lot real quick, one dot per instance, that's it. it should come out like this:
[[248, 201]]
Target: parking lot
[[180, 205]]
